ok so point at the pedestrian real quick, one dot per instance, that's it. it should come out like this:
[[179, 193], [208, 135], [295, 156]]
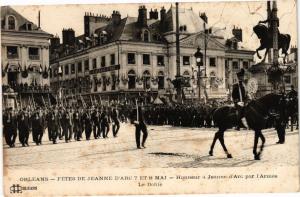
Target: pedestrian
[[23, 127], [137, 119]]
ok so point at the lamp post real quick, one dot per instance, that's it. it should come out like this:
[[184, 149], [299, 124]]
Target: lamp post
[[199, 60]]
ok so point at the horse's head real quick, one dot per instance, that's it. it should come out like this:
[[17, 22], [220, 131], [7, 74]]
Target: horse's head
[[261, 31]]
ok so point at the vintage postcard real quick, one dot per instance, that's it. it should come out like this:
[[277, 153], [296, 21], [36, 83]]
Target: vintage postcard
[[150, 98]]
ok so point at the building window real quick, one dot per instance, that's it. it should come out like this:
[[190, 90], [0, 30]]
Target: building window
[[33, 53], [112, 59], [131, 79], [186, 60], [94, 63], [103, 61], [146, 59], [287, 79], [86, 65], [235, 65], [160, 60], [245, 64], [212, 62], [72, 68], [79, 67], [146, 36], [131, 58], [11, 23], [66, 69], [29, 26], [161, 80], [12, 52]]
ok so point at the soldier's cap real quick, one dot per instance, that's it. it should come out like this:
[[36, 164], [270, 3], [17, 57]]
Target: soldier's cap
[[241, 73]]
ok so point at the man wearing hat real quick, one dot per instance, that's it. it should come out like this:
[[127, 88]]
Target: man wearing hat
[[10, 127], [23, 127], [37, 122], [239, 95]]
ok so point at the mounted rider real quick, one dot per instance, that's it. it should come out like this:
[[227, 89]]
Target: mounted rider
[[239, 94]]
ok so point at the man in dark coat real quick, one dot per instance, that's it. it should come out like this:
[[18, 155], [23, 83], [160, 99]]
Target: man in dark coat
[[137, 118], [23, 127], [96, 123], [104, 123], [116, 122], [88, 124], [53, 125], [37, 122], [10, 127], [77, 125], [67, 125], [281, 119]]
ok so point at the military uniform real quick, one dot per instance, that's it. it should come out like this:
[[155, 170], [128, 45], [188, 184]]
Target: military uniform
[[104, 124], [281, 121], [37, 122], [23, 127], [10, 128], [88, 124], [77, 125], [116, 122], [96, 123], [67, 125], [53, 126]]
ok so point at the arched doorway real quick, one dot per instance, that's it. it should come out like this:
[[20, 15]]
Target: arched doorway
[[161, 80], [146, 80], [131, 79]]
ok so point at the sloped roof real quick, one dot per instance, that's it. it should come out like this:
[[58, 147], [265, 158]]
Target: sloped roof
[[21, 20]]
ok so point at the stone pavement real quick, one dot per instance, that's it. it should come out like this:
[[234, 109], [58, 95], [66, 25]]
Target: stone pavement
[[174, 147]]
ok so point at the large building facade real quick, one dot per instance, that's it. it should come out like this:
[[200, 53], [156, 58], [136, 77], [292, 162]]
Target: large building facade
[[24, 56], [119, 58]]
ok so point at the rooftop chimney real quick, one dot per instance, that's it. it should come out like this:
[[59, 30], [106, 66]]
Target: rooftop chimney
[[238, 33], [116, 17], [68, 36], [153, 14], [142, 18]]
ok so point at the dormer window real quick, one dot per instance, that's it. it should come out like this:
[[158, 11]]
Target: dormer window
[[146, 36], [11, 23], [28, 26]]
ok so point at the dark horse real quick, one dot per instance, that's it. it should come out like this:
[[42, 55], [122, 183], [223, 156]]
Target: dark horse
[[266, 40], [255, 112]]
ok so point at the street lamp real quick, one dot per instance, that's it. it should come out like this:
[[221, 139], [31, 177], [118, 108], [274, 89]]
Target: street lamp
[[199, 60]]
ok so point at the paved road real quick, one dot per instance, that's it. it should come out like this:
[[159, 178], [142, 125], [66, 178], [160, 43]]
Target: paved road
[[166, 147]]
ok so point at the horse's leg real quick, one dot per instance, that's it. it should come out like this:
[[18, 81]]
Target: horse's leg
[[264, 59], [256, 156], [217, 136], [221, 138], [262, 137]]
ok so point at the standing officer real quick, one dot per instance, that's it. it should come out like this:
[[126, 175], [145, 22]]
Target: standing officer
[[23, 127], [239, 96], [37, 122], [116, 122], [10, 127], [137, 118], [281, 121]]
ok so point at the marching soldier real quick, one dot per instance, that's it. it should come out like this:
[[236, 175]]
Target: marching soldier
[[24, 127], [88, 123], [10, 127], [53, 125], [67, 125], [104, 123], [37, 122], [281, 121], [96, 123], [77, 125], [239, 96], [116, 122]]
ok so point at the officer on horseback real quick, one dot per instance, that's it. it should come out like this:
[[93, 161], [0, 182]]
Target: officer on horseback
[[239, 95]]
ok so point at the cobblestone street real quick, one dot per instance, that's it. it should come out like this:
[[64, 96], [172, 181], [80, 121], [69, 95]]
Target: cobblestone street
[[166, 147]]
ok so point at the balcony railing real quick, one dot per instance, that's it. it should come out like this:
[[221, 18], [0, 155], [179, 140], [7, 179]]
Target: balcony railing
[[24, 88], [34, 57]]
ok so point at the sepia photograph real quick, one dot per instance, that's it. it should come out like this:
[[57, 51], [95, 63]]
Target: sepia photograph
[[115, 98]]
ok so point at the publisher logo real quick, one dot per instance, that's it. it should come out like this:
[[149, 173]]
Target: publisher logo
[[15, 189]]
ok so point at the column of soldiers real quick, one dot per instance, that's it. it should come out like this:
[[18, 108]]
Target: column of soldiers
[[62, 124]]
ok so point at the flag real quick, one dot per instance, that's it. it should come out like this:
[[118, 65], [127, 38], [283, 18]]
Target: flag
[[41, 69]]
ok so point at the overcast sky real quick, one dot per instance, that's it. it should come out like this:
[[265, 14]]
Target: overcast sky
[[221, 14]]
